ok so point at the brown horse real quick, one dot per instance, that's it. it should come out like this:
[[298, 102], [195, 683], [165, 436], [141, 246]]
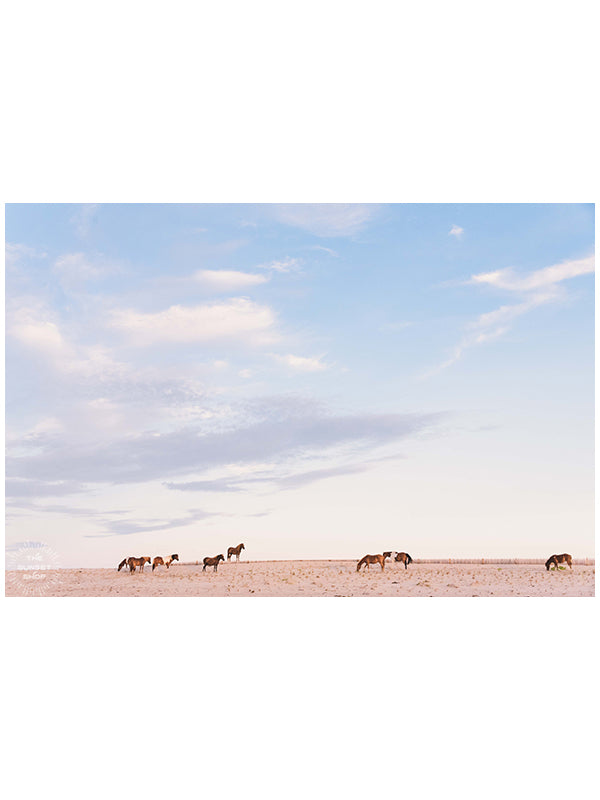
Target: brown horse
[[559, 559], [165, 562], [235, 551], [367, 560], [132, 563], [122, 564], [401, 557], [212, 562]]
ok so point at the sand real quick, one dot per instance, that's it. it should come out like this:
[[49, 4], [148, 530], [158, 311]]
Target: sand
[[310, 579]]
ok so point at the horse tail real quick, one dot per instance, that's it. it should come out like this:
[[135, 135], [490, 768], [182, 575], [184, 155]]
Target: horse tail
[[408, 559]]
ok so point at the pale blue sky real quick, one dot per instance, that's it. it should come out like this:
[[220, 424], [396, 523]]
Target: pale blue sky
[[317, 381]]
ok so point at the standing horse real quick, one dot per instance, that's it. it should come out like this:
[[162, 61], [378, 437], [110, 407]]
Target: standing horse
[[165, 562], [403, 558], [235, 551], [212, 562], [367, 560], [132, 563], [559, 559]]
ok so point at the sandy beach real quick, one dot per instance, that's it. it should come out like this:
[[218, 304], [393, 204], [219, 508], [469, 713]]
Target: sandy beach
[[310, 579]]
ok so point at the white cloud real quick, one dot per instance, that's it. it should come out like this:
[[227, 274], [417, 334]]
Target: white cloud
[[508, 280], [326, 219], [75, 268], [327, 250], [238, 318], [34, 327], [302, 364], [456, 231], [43, 336], [285, 265], [227, 280], [16, 252], [534, 289]]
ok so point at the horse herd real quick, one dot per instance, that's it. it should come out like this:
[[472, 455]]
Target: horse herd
[[366, 561], [139, 562]]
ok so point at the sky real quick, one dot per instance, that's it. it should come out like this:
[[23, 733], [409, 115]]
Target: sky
[[316, 381]]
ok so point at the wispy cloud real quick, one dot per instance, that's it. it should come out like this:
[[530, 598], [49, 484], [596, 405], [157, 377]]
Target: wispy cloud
[[283, 265], [16, 488], [533, 289], [456, 231], [326, 219], [74, 269], [283, 429], [83, 219], [327, 250], [127, 527], [236, 319], [302, 363], [15, 252], [511, 281], [227, 280]]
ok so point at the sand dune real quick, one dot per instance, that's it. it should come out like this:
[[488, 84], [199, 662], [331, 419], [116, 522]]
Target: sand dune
[[311, 579]]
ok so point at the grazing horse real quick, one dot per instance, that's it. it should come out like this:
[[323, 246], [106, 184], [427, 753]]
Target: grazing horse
[[367, 560], [235, 551], [122, 564], [165, 562], [558, 559], [132, 563], [212, 562]]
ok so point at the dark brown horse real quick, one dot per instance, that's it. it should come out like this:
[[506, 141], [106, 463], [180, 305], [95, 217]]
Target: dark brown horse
[[367, 560], [165, 562], [235, 551], [401, 557], [122, 564], [213, 562], [132, 563], [559, 559]]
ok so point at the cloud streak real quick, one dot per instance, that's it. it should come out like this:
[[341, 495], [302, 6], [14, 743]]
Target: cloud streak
[[160, 456], [533, 289], [236, 319], [302, 363], [326, 219]]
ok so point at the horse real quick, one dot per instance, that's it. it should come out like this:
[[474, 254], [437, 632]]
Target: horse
[[405, 558], [235, 551], [402, 557], [212, 562], [122, 564], [165, 562], [559, 559], [132, 562], [367, 560]]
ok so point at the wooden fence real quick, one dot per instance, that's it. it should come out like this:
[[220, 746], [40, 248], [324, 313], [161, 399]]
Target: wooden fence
[[582, 562]]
